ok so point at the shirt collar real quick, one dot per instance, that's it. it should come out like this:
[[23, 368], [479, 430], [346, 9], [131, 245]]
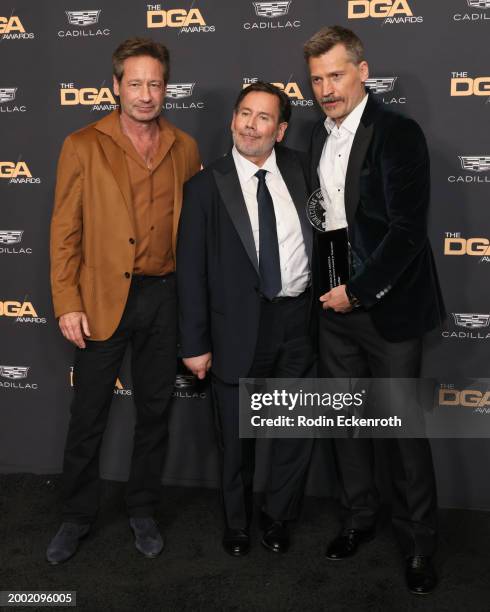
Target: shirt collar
[[247, 169], [351, 122]]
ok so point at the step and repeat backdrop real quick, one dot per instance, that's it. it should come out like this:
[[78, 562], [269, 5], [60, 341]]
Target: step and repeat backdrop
[[427, 59]]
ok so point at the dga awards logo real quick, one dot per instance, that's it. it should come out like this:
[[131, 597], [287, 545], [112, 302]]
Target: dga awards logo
[[385, 88], [475, 10], [468, 326], [477, 399], [463, 85], [177, 97], [389, 11], [84, 22], [475, 169], [185, 21], [456, 245], [272, 16], [20, 312], [13, 377], [17, 172], [7, 96], [291, 89], [12, 28], [119, 388], [9, 241], [97, 98]]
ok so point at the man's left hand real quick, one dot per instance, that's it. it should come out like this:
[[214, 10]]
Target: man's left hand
[[336, 299]]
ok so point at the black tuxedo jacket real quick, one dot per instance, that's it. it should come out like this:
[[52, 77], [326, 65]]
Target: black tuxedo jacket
[[217, 266], [387, 192]]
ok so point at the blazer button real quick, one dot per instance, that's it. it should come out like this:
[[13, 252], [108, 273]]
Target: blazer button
[[132, 240], [127, 275]]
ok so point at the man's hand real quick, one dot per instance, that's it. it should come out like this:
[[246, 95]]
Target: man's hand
[[198, 365], [336, 299], [74, 326]]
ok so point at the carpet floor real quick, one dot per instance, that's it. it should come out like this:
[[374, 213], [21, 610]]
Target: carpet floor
[[194, 573]]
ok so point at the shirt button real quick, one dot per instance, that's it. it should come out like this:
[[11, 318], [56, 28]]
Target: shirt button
[[127, 275], [131, 241]]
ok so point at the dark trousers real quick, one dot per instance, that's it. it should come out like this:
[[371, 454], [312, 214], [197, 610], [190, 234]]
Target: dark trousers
[[283, 350], [149, 325], [350, 346]]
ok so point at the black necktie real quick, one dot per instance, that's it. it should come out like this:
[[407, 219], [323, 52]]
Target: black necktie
[[269, 263]]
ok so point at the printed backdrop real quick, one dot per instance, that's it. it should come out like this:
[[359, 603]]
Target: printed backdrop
[[427, 59]]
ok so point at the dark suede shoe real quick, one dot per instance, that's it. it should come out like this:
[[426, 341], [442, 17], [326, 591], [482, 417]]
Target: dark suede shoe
[[276, 535], [420, 575], [65, 543], [346, 544], [236, 542], [147, 538]]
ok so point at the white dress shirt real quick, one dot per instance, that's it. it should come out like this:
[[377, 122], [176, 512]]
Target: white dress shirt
[[295, 273], [333, 165]]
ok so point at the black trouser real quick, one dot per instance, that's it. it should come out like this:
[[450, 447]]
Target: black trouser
[[350, 346], [149, 323], [283, 350]]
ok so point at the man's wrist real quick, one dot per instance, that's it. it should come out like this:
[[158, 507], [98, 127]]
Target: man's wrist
[[354, 302]]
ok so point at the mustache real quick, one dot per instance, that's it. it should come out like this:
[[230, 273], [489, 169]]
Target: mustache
[[328, 99]]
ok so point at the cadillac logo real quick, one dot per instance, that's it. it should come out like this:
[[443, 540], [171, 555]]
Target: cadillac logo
[[381, 85], [271, 9], [13, 372], [475, 163], [179, 90], [471, 320], [11, 236], [479, 3], [7, 94], [83, 18]]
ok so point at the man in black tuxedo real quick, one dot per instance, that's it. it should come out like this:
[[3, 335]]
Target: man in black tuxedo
[[243, 274], [372, 166]]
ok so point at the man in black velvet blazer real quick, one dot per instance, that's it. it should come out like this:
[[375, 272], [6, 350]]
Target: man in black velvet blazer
[[373, 167], [244, 299]]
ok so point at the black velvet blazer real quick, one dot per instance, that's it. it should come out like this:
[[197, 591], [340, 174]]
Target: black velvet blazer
[[387, 193]]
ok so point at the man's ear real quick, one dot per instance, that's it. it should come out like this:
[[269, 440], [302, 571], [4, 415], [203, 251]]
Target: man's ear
[[283, 126]]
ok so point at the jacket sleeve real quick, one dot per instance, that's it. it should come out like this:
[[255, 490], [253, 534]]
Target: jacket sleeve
[[66, 232], [406, 187], [192, 278]]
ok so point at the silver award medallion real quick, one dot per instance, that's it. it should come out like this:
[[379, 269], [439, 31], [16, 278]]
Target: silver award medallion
[[316, 210]]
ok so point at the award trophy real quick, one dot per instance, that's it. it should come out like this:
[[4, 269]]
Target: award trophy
[[333, 251]]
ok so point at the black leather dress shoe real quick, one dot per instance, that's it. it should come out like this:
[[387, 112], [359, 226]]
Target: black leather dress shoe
[[276, 536], [236, 542], [65, 543], [346, 544], [420, 574]]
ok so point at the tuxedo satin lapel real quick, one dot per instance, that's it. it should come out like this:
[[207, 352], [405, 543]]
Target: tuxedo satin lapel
[[117, 163], [295, 182], [228, 184], [360, 145]]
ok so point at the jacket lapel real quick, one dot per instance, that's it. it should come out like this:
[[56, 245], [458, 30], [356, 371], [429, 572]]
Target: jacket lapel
[[293, 176], [360, 145], [116, 159], [228, 184]]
